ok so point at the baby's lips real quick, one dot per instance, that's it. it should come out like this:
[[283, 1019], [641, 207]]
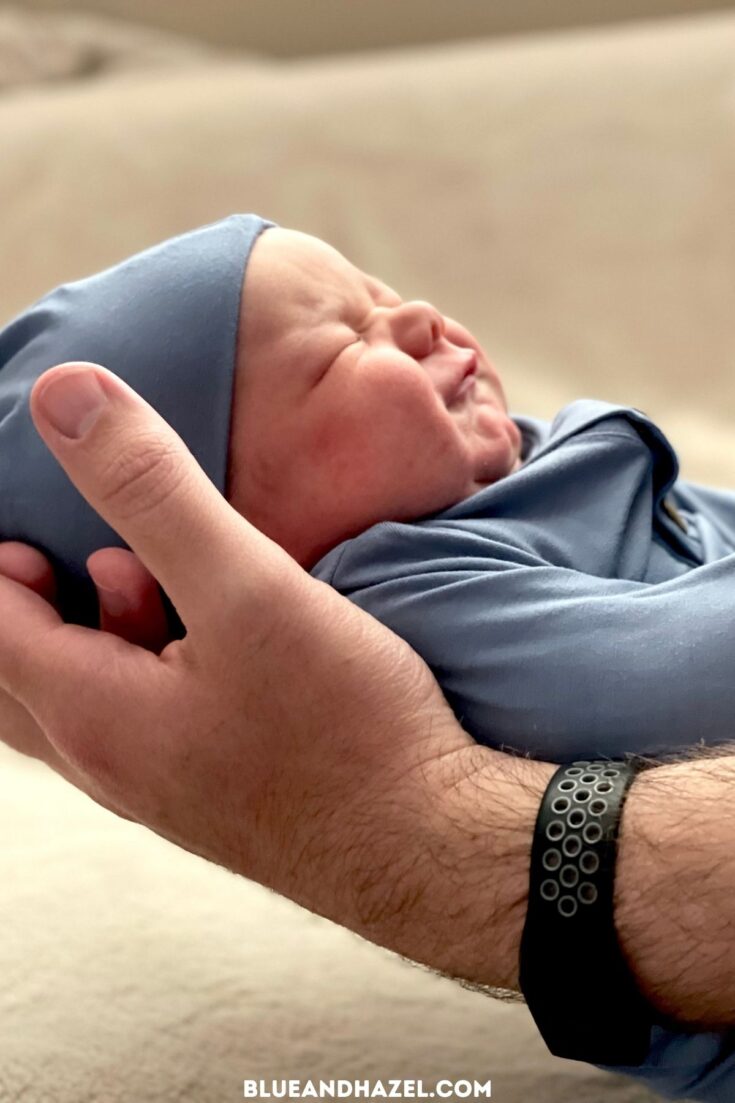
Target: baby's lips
[[464, 375]]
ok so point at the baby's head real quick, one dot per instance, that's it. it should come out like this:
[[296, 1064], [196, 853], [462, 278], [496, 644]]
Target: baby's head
[[345, 410], [312, 396]]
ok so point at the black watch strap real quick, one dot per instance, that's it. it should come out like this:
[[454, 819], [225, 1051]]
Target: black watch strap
[[576, 982]]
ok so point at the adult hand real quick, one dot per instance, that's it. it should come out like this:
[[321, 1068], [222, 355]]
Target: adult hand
[[289, 736]]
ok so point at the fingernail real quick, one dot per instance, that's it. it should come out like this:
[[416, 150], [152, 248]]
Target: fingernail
[[113, 600], [72, 402]]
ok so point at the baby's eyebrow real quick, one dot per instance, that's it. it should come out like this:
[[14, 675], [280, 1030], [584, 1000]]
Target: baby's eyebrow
[[375, 284], [383, 287], [357, 313], [371, 286], [375, 288]]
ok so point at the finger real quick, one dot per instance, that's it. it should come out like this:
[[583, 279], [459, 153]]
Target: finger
[[129, 598], [135, 610], [140, 477], [30, 567], [65, 675], [29, 623]]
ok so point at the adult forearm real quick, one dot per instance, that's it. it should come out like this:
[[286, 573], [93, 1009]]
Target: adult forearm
[[457, 900], [674, 887]]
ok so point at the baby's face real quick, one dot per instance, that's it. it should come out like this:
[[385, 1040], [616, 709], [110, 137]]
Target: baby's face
[[344, 409]]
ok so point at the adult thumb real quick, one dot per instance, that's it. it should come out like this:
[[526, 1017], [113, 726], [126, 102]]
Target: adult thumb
[[139, 476]]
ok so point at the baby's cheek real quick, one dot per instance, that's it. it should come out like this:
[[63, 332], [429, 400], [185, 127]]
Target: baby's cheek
[[323, 447]]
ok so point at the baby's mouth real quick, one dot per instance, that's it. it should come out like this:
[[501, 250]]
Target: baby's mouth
[[467, 384], [464, 377]]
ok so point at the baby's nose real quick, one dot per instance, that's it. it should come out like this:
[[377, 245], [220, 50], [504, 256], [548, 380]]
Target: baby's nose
[[422, 323]]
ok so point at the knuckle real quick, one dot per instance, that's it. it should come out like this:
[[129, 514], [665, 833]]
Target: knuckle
[[140, 477]]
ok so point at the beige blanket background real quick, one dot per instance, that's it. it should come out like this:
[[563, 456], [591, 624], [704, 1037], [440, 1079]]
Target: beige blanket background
[[570, 198]]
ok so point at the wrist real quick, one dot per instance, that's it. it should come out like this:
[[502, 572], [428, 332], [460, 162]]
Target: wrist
[[502, 799], [488, 815], [674, 899]]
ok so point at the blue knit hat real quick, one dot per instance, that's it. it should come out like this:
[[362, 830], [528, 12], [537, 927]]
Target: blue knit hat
[[166, 321]]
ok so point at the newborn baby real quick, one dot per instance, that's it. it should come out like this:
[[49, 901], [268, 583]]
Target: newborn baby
[[569, 592]]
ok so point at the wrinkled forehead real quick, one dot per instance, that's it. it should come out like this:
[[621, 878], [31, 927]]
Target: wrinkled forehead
[[293, 281]]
